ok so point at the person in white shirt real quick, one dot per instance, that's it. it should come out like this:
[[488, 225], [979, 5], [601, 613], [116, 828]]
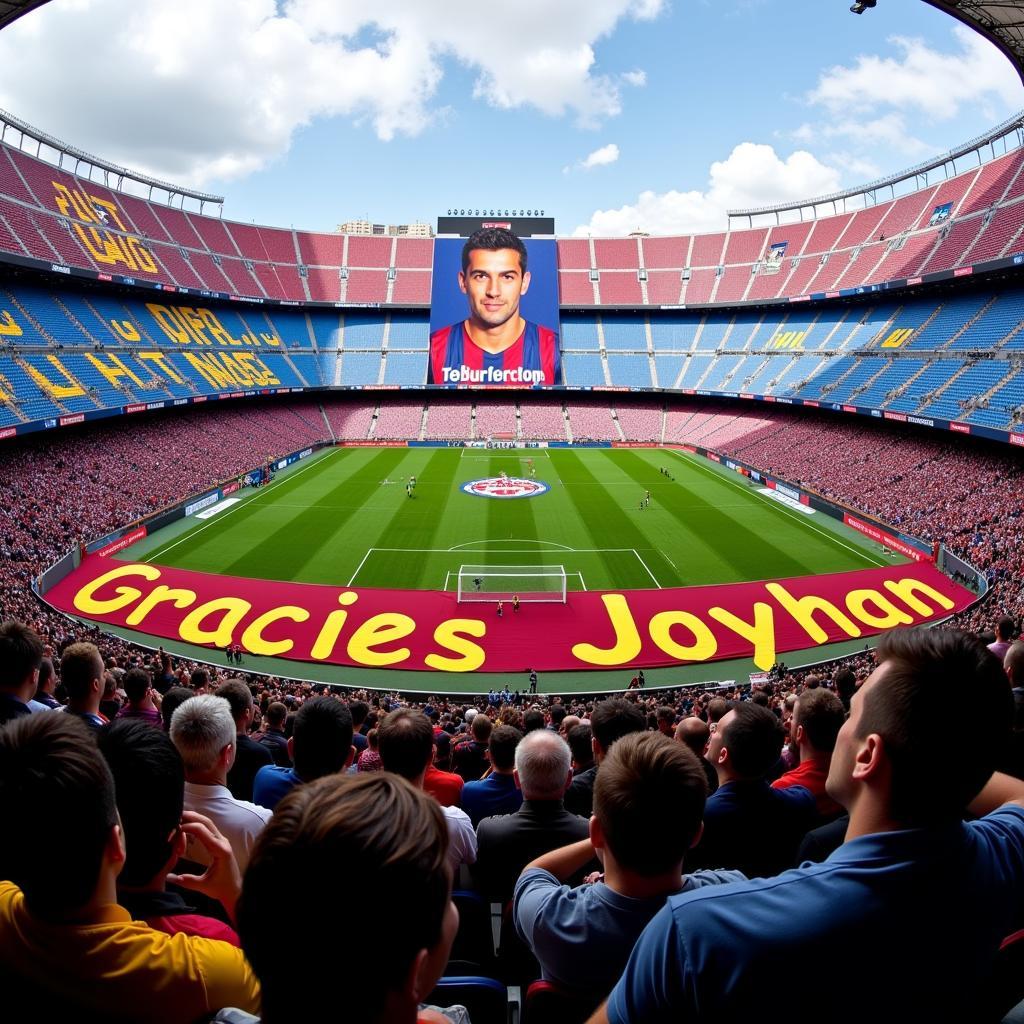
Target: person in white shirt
[[203, 730]]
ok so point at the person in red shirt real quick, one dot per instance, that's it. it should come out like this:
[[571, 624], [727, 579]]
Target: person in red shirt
[[444, 787], [817, 718]]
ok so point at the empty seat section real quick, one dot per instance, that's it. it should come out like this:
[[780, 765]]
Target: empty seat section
[[632, 371], [625, 334], [405, 368], [582, 369]]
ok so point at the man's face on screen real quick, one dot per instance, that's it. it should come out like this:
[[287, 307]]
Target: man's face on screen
[[493, 283]]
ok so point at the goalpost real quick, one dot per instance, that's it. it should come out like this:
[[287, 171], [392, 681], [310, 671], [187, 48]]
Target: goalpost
[[491, 583]]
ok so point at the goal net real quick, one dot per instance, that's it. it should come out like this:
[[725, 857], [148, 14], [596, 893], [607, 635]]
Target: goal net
[[500, 582]]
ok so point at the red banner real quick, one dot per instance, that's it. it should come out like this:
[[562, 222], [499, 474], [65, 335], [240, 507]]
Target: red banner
[[123, 542], [884, 537], [430, 630]]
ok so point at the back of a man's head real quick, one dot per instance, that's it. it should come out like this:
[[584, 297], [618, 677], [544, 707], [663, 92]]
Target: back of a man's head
[[201, 728], [821, 715], [533, 719], [322, 738], [276, 715], [375, 830], [80, 666], [239, 698], [57, 796], [845, 683], [694, 733], [557, 713], [1006, 628], [922, 674], [21, 652], [358, 709], [502, 747], [614, 718], [199, 678], [753, 738], [1013, 664], [172, 700], [579, 738], [649, 801], [136, 684], [481, 727], [149, 779], [718, 708], [405, 742], [542, 763]]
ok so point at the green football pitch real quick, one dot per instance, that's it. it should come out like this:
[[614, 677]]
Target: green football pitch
[[343, 518]]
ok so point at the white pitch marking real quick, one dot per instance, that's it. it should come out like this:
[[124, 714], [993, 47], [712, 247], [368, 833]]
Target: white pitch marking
[[644, 564], [369, 552]]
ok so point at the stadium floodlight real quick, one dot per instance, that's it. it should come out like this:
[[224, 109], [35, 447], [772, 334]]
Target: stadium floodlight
[[493, 583], [862, 5]]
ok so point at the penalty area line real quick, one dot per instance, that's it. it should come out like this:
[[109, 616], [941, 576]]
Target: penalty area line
[[646, 567], [369, 551]]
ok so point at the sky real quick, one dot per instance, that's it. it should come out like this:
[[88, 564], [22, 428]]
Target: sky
[[610, 115]]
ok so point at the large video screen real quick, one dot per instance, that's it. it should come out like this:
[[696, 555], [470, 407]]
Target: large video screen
[[494, 312]]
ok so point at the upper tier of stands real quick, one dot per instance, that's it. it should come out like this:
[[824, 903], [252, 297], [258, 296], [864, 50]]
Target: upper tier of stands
[[958, 357], [49, 214]]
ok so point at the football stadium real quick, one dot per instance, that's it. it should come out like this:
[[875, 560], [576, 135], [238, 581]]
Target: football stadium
[[728, 503]]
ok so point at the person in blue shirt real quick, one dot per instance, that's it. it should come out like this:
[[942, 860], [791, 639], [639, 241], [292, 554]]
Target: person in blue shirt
[[900, 923], [497, 793], [321, 744], [648, 803]]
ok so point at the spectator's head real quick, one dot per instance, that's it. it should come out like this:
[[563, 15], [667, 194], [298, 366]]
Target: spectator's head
[[239, 698], [533, 719], [1006, 629], [137, 684], [321, 742], [501, 748], [718, 708], [612, 719], [443, 751], [204, 733], [817, 719], [481, 728], [888, 752], [845, 683], [694, 732], [47, 681], [376, 828], [359, 709], [666, 719], [199, 680], [81, 672], [568, 724], [276, 715], [557, 713], [172, 700], [542, 765], [405, 741], [149, 780], [58, 799], [21, 653], [581, 747], [648, 804], [747, 742]]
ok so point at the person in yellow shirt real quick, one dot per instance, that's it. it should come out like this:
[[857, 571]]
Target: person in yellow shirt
[[66, 946]]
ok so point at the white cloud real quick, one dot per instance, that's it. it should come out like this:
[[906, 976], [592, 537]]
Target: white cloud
[[752, 175], [601, 157], [921, 79], [197, 90]]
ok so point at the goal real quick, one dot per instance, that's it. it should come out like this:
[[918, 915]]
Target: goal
[[500, 582]]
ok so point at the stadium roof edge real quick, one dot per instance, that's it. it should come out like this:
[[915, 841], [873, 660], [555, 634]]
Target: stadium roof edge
[[999, 21], [11, 10]]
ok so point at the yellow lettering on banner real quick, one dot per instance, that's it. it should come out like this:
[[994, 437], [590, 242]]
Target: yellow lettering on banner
[[897, 338], [232, 609], [385, 628], [627, 637], [331, 629], [209, 369], [887, 615], [760, 632], [451, 634], [105, 248], [86, 602], [161, 361], [168, 323], [907, 590], [704, 643], [70, 390], [804, 609], [160, 595], [216, 328], [8, 326], [232, 362], [125, 330], [195, 323], [114, 370], [268, 375], [255, 643], [101, 243], [270, 339]]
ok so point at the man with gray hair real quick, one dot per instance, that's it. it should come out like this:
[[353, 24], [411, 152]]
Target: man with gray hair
[[506, 843], [203, 730]]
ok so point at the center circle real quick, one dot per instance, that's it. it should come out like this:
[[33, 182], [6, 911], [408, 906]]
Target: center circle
[[504, 487]]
